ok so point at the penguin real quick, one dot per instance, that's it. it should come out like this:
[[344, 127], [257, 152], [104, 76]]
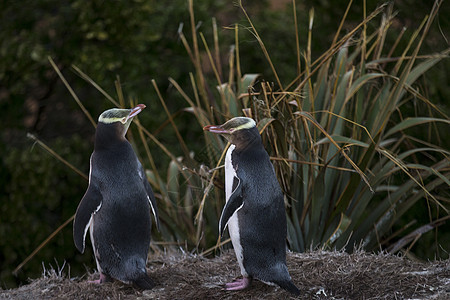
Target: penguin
[[254, 211], [117, 203]]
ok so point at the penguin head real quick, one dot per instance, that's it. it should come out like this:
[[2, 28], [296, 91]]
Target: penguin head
[[119, 119], [239, 131]]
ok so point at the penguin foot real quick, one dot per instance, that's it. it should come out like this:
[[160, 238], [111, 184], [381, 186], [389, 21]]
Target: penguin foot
[[239, 284], [103, 278]]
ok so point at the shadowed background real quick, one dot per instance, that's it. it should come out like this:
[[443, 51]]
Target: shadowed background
[[139, 41]]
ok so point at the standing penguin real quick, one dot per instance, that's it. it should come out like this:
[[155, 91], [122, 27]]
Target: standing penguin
[[254, 211], [116, 206]]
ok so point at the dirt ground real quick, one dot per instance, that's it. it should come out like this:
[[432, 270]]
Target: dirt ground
[[318, 274]]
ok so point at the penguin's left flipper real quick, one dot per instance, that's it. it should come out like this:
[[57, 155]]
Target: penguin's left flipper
[[233, 204], [91, 203], [151, 198]]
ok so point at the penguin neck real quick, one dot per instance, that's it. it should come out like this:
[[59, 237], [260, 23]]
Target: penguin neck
[[109, 136]]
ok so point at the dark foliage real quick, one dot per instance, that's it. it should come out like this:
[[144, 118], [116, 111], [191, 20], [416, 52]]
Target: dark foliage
[[138, 41]]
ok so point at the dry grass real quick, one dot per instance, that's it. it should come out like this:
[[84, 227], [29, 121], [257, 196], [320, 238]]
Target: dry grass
[[318, 274]]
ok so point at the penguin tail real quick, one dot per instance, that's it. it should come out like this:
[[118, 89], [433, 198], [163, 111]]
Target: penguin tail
[[288, 286], [144, 282]]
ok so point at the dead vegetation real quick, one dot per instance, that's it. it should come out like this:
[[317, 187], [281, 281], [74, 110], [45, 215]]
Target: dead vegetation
[[318, 274]]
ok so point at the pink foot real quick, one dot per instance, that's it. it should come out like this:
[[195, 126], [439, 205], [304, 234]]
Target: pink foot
[[103, 279], [98, 281], [238, 284]]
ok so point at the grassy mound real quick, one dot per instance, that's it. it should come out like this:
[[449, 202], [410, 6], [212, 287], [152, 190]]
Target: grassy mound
[[318, 274]]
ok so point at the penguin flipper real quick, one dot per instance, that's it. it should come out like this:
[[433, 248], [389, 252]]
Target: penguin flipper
[[233, 204], [89, 204], [151, 198]]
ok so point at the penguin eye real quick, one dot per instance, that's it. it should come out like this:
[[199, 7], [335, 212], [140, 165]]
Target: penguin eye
[[123, 120]]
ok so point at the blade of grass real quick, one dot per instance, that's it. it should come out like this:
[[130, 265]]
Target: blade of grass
[[72, 92], [94, 84], [169, 116], [261, 44], [56, 155]]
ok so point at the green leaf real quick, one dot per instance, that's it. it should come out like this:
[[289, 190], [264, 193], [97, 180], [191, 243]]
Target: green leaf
[[319, 206], [341, 139], [421, 68], [247, 81], [344, 223], [360, 82], [410, 122], [230, 99], [292, 235], [173, 185]]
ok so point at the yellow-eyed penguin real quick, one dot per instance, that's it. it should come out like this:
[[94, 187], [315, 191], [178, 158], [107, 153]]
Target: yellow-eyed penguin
[[116, 206], [254, 211]]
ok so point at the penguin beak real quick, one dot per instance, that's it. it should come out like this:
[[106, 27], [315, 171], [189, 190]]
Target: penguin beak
[[135, 111], [216, 129]]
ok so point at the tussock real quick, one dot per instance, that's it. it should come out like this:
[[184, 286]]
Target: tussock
[[318, 274]]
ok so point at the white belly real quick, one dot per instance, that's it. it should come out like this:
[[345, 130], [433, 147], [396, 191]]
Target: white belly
[[96, 254], [233, 223], [91, 233]]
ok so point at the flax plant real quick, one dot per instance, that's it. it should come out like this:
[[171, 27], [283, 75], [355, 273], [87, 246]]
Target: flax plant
[[339, 136]]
